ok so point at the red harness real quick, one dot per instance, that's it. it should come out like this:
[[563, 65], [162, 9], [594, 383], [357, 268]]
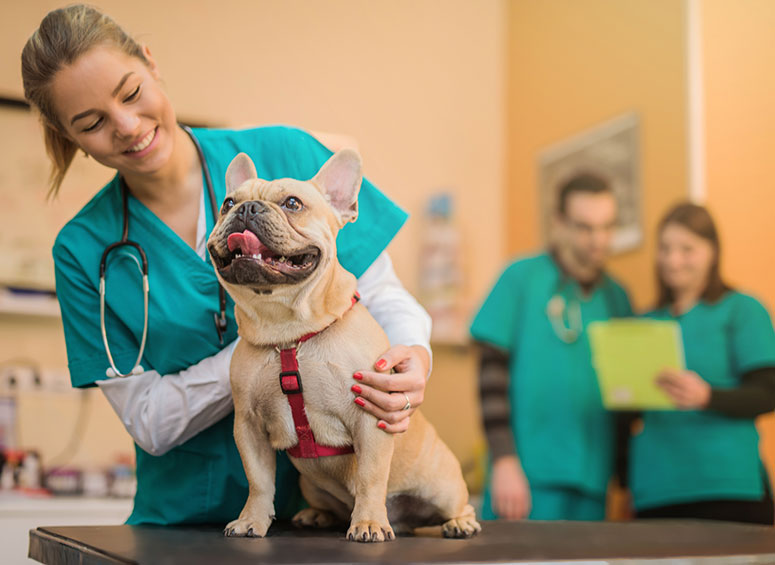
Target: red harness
[[290, 383]]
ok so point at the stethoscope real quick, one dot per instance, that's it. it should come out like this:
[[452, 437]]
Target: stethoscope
[[219, 317], [558, 310]]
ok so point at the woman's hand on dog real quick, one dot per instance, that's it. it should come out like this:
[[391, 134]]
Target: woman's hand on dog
[[384, 394]]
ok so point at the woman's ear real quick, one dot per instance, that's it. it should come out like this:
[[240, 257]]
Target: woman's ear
[[59, 131], [151, 62]]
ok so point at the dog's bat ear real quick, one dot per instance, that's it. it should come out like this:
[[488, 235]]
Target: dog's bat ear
[[240, 169], [340, 178]]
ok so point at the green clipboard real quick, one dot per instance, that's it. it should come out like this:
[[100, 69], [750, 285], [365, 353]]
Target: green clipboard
[[627, 355]]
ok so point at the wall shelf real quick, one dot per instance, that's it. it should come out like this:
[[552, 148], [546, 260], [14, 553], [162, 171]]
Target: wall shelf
[[21, 304]]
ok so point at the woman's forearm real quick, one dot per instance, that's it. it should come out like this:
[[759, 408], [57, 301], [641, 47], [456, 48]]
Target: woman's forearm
[[402, 318], [161, 412], [754, 396]]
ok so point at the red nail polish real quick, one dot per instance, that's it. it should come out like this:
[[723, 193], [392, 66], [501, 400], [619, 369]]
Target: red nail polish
[[358, 377], [356, 389], [359, 401], [382, 425], [380, 364]]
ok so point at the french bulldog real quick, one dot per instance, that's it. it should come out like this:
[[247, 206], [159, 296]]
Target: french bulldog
[[274, 250]]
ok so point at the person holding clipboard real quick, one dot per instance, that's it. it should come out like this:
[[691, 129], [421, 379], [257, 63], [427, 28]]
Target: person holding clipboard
[[549, 436], [701, 460]]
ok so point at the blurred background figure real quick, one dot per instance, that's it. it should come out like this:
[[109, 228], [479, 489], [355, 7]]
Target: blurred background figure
[[702, 461], [550, 438]]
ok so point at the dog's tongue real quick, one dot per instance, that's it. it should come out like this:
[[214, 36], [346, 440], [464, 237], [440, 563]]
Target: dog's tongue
[[247, 242]]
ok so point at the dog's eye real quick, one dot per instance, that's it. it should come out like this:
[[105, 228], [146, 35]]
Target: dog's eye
[[293, 204], [228, 204]]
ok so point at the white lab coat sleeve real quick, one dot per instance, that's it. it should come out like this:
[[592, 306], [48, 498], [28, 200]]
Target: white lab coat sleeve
[[405, 322], [163, 412]]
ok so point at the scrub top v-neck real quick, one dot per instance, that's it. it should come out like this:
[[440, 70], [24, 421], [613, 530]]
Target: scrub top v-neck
[[201, 480]]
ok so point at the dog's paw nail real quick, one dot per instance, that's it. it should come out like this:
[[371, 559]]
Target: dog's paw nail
[[365, 536], [250, 532], [350, 537]]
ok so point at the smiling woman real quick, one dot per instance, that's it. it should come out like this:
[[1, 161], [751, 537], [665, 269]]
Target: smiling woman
[[702, 460], [99, 91]]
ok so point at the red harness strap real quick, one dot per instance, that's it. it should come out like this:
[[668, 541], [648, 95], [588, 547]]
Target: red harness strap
[[290, 383]]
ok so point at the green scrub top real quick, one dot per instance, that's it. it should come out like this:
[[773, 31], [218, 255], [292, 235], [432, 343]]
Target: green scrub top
[[201, 480], [689, 456], [563, 434]]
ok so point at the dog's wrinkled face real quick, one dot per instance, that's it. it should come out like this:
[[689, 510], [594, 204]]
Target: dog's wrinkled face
[[284, 231]]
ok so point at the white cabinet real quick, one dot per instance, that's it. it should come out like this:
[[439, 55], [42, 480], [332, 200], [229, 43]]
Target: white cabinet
[[20, 514]]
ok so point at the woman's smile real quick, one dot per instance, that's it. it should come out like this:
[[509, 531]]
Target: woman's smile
[[144, 146]]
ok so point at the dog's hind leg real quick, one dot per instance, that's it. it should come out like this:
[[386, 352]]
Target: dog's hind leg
[[325, 510], [462, 526], [450, 497]]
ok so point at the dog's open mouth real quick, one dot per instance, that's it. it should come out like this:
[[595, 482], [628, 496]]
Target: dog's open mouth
[[246, 247]]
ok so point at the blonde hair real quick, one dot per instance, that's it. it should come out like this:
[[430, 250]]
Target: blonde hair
[[63, 36]]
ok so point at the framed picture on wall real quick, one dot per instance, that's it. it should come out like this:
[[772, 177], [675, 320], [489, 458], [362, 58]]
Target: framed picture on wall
[[610, 150]]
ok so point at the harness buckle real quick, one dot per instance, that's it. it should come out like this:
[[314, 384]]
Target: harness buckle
[[290, 382]]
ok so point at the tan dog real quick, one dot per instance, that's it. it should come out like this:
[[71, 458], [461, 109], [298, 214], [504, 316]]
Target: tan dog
[[274, 249]]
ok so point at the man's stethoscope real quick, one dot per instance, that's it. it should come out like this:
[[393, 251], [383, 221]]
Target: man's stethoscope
[[220, 317], [556, 309]]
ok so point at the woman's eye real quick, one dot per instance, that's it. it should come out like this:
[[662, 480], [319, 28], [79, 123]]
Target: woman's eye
[[228, 204], [293, 204], [133, 94], [94, 125]]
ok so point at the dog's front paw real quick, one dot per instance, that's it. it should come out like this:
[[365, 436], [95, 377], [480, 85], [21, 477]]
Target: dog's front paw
[[370, 531], [461, 527], [314, 518], [248, 527]]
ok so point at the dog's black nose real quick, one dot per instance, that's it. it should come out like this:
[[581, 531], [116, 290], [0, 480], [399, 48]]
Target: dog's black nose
[[251, 208]]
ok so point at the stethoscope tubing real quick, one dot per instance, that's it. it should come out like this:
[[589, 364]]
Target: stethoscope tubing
[[219, 317]]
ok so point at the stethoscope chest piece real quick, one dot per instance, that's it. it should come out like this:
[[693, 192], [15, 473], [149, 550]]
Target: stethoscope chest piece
[[556, 310]]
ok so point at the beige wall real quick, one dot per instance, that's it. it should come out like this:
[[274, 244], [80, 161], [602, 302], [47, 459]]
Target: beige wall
[[738, 61], [739, 58], [573, 65], [418, 83]]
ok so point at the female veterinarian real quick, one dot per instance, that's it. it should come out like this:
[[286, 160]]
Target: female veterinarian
[[99, 91], [702, 461]]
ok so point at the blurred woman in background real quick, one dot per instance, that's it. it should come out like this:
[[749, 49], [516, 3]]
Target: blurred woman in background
[[702, 460]]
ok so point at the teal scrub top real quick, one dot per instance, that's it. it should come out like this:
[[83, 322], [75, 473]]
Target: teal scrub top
[[201, 480], [563, 434], [689, 456]]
